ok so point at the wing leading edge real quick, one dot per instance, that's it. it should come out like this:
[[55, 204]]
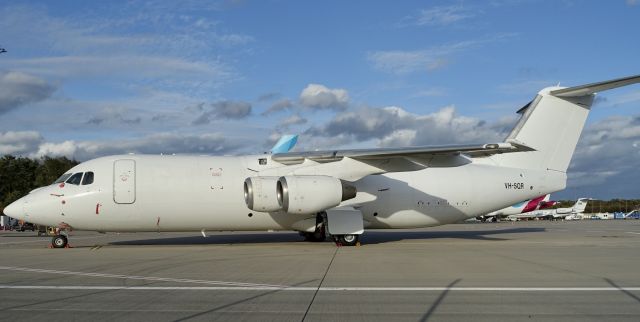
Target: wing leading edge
[[480, 150]]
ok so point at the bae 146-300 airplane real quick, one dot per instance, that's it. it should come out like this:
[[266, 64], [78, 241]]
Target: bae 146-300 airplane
[[335, 193]]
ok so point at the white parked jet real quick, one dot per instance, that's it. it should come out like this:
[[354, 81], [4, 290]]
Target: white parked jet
[[561, 213], [338, 193]]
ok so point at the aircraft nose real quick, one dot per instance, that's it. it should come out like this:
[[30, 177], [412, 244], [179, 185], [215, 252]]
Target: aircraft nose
[[15, 209]]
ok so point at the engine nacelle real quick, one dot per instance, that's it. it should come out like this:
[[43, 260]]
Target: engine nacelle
[[260, 194], [311, 194]]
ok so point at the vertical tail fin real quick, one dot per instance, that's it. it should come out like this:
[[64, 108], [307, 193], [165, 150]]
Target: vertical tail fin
[[580, 205], [286, 143], [552, 123]]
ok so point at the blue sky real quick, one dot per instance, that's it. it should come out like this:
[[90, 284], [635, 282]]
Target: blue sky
[[85, 79]]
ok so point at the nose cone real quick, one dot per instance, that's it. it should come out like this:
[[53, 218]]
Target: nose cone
[[15, 209]]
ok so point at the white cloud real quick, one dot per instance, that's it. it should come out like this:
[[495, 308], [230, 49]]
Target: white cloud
[[291, 121], [281, 105], [393, 125], [167, 143], [404, 62], [632, 2], [606, 149], [184, 54], [442, 16], [321, 97], [18, 88], [19, 142], [223, 110]]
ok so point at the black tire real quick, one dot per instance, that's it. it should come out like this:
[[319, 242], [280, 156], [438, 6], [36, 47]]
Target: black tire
[[349, 240], [59, 241]]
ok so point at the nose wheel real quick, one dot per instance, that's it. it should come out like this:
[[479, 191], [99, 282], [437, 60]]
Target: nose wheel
[[59, 241]]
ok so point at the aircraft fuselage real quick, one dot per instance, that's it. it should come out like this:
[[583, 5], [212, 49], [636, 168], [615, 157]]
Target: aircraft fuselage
[[193, 193]]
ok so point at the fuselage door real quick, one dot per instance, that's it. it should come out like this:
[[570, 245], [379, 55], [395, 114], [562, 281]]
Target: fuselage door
[[124, 181]]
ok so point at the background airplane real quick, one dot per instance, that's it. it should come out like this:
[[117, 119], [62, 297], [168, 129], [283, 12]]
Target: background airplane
[[561, 213], [524, 207], [336, 193]]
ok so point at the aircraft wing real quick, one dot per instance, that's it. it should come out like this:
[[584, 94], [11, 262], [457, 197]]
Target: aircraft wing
[[480, 150]]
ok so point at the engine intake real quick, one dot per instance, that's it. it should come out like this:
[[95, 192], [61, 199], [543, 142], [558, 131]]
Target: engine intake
[[311, 194], [260, 194]]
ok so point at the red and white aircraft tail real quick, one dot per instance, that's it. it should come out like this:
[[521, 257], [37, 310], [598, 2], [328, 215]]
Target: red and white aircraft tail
[[520, 209]]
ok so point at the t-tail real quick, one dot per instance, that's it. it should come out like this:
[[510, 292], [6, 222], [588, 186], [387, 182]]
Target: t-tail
[[551, 125]]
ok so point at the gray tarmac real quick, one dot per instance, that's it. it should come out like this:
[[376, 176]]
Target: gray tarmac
[[523, 271]]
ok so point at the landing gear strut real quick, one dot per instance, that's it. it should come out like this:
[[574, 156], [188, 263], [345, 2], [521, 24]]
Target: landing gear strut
[[319, 235], [314, 237]]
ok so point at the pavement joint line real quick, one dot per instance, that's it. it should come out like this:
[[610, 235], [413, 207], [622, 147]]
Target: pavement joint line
[[325, 289], [320, 284], [135, 277]]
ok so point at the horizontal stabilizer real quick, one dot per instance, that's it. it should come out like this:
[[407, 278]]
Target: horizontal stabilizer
[[589, 89]]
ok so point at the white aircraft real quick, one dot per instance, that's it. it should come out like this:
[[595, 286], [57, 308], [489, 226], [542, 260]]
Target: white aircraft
[[561, 213], [523, 209], [336, 193]]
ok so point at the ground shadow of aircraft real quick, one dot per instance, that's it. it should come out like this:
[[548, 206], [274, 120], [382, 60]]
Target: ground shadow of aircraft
[[371, 237]]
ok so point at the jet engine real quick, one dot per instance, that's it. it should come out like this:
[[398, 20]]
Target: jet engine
[[260, 194], [311, 194]]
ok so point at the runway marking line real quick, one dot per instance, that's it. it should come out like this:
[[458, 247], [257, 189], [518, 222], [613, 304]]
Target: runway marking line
[[44, 239], [135, 277], [632, 232], [330, 289]]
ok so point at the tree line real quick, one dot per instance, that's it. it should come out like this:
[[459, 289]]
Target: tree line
[[596, 206], [19, 175]]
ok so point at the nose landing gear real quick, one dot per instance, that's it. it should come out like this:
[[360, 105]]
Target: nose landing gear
[[59, 241]]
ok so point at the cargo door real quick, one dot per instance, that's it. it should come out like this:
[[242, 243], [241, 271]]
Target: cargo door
[[124, 181]]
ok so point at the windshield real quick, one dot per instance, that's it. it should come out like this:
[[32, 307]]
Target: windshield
[[62, 178], [75, 179], [88, 178]]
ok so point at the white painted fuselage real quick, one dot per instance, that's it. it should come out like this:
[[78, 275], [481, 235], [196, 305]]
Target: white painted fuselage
[[192, 193]]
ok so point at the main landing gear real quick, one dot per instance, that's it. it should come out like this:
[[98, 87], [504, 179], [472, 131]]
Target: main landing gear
[[320, 234], [340, 240], [346, 240]]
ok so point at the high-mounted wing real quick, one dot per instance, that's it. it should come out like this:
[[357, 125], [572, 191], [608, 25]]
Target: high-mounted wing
[[479, 150]]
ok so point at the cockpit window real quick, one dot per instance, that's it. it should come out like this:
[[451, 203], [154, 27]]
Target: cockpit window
[[63, 178], [75, 179], [88, 178]]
